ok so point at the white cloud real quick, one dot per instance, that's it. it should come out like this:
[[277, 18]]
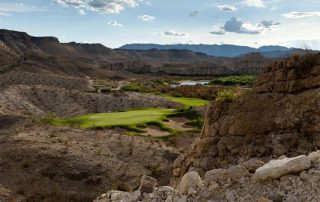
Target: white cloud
[[104, 6], [174, 33], [193, 13], [2, 13], [298, 15], [227, 7], [7, 8], [254, 3], [235, 25], [146, 18], [82, 12], [115, 23]]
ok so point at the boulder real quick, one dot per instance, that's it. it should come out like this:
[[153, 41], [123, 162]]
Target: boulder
[[147, 184], [234, 172], [190, 179], [315, 156], [278, 168]]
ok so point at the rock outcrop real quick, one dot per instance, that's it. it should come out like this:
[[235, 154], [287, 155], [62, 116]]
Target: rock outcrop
[[280, 117], [235, 184]]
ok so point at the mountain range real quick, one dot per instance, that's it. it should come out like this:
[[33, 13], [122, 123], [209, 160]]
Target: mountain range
[[219, 50]]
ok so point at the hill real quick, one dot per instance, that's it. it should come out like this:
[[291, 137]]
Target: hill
[[219, 50]]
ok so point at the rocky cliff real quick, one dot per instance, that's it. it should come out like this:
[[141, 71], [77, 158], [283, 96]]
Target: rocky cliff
[[280, 117]]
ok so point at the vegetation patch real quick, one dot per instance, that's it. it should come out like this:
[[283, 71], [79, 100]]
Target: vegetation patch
[[188, 102], [235, 80], [136, 121], [230, 95], [129, 119]]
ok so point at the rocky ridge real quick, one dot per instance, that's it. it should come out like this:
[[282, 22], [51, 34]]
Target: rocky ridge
[[280, 117], [285, 179]]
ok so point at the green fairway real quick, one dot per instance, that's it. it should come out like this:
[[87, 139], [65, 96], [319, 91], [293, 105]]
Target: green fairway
[[127, 119], [189, 102]]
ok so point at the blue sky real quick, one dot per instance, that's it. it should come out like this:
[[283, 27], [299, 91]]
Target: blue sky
[[117, 22]]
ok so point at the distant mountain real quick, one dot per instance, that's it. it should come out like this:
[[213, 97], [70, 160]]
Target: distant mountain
[[219, 50], [47, 56]]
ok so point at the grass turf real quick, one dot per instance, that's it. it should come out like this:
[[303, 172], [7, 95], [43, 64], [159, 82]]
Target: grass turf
[[189, 102], [128, 119]]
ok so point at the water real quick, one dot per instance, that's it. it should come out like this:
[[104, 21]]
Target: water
[[191, 83]]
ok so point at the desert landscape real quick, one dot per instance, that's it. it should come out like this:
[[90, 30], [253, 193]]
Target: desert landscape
[[156, 122]]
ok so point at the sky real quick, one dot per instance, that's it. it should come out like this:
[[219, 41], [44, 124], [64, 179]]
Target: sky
[[292, 23]]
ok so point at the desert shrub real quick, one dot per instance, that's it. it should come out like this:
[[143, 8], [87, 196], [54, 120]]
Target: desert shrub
[[230, 95], [235, 80], [135, 87], [50, 117]]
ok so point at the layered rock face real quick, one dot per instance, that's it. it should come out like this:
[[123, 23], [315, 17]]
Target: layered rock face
[[280, 117]]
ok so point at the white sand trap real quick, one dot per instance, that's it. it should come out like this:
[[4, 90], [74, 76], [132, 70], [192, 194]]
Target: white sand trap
[[178, 123], [155, 131]]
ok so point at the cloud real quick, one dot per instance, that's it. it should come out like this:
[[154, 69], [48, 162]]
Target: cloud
[[268, 24], [8, 8], [2, 13], [193, 13], [115, 23], [82, 12], [174, 33], [103, 6], [298, 15], [147, 18], [235, 25], [254, 3], [227, 7]]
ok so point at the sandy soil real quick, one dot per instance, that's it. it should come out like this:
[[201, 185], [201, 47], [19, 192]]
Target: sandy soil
[[155, 131], [178, 123]]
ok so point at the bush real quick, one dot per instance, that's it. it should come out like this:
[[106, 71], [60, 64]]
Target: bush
[[230, 95], [235, 80], [133, 87]]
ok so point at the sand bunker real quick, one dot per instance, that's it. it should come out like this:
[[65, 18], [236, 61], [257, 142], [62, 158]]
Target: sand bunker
[[155, 131], [178, 123]]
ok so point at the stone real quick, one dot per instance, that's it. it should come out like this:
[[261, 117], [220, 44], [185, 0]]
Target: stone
[[262, 199], [233, 173], [315, 156], [292, 198], [147, 184], [190, 179], [278, 168], [183, 199], [118, 196], [230, 196], [135, 196], [191, 191], [169, 198], [252, 164], [276, 197], [165, 189]]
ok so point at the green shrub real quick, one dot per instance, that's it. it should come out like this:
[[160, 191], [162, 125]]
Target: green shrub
[[133, 87], [226, 96], [235, 80], [230, 95]]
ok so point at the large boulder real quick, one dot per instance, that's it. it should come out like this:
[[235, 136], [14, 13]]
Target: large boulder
[[233, 173], [278, 168], [190, 180], [315, 156]]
